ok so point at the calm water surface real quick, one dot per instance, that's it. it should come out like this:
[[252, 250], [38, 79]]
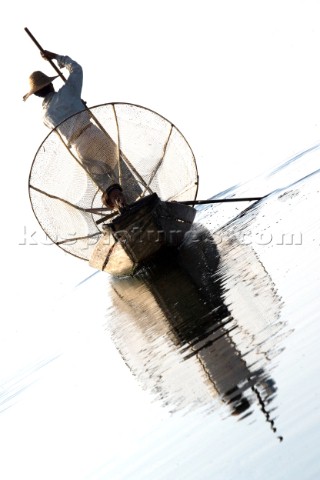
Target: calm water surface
[[205, 365], [225, 336]]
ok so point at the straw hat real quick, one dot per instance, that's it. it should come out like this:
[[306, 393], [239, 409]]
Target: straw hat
[[38, 80]]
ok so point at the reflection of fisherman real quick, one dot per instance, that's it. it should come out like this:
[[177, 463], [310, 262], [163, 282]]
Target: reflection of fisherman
[[181, 299], [94, 148]]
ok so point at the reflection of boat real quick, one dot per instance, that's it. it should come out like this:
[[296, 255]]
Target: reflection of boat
[[139, 232], [182, 339]]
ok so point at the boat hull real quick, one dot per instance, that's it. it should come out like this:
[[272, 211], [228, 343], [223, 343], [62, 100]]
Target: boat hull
[[139, 232]]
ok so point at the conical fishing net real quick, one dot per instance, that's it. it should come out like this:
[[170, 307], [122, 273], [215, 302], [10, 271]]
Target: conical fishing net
[[106, 144]]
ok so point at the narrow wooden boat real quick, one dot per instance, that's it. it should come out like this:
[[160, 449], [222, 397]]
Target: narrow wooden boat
[[139, 232]]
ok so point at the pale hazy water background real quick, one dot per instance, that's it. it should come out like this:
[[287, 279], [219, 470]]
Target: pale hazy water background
[[205, 365]]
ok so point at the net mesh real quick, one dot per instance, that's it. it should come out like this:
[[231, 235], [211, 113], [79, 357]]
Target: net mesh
[[106, 144]]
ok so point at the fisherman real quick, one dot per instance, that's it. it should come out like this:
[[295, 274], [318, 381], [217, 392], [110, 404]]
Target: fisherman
[[65, 110]]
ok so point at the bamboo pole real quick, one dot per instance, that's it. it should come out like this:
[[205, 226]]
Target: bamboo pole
[[99, 211], [219, 200]]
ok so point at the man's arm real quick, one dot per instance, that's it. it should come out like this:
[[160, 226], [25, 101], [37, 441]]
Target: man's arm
[[75, 78]]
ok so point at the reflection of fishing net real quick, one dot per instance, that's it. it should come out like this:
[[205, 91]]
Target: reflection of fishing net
[[145, 153]]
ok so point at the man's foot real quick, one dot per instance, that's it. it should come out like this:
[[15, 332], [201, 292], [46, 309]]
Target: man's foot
[[114, 198]]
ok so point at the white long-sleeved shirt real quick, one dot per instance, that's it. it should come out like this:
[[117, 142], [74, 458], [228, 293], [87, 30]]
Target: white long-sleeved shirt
[[60, 105]]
